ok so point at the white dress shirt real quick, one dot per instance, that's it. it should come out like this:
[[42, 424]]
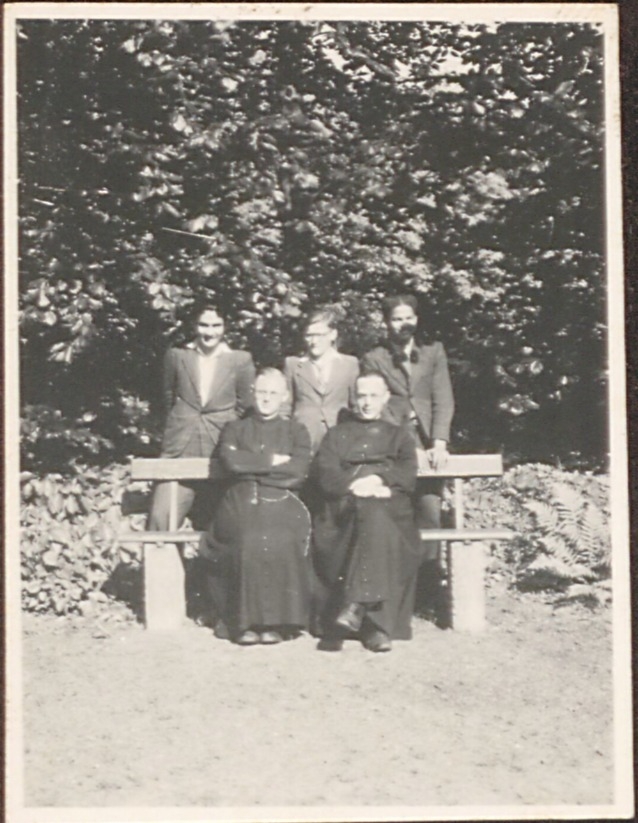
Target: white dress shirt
[[206, 367]]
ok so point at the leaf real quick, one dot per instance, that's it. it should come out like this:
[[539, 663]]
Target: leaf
[[546, 517], [71, 505], [50, 559], [568, 501], [55, 502], [59, 534]]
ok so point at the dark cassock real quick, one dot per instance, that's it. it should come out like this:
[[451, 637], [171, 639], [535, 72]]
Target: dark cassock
[[257, 545], [366, 549]]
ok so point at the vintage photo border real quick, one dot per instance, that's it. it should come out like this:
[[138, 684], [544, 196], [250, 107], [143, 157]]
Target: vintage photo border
[[604, 13]]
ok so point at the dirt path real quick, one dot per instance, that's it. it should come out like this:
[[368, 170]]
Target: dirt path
[[519, 715]]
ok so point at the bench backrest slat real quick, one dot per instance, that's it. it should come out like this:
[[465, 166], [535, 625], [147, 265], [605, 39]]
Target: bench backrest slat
[[464, 465], [203, 468], [173, 468]]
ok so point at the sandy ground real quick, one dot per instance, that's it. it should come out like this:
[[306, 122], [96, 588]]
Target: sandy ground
[[518, 715]]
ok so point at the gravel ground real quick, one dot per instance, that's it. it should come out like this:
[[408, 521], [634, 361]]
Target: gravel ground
[[521, 714]]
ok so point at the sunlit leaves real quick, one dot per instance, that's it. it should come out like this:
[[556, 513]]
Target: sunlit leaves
[[273, 166]]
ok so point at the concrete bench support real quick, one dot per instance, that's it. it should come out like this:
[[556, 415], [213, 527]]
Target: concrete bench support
[[164, 590], [466, 565], [466, 557]]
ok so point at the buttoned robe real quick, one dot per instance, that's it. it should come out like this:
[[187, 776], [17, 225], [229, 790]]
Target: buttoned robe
[[257, 545], [366, 549]]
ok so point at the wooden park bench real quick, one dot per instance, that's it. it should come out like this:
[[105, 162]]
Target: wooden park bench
[[465, 553]]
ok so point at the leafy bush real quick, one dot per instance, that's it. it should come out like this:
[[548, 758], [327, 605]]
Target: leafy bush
[[561, 521], [69, 531]]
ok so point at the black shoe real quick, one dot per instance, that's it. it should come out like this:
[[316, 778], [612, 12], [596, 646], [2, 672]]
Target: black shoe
[[330, 644], [377, 641], [351, 617], [221, 630]]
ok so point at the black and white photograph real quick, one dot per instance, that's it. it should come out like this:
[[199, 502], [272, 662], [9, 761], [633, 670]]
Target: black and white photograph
[[316, 460]]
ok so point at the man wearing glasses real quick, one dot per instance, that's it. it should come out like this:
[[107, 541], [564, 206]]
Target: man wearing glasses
[[322, 381]]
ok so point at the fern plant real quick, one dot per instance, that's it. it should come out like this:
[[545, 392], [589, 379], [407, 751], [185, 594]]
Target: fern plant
[[571, 534]]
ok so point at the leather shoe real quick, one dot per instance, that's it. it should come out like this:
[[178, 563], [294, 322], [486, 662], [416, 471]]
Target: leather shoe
[[330, 644], [248, 638], [270, 638], [378, 642], [351, 617]]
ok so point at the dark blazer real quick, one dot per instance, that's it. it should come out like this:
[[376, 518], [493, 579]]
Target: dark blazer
[[426, 391], [192, 427], [317, 406]]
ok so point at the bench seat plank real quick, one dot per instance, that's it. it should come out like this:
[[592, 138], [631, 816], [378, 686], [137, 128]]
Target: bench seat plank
[[456, 535], [460, 535], [160, 537]]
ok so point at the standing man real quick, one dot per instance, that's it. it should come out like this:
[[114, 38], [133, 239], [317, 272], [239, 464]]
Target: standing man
[[421, 394], [321, 382], [206, 385]]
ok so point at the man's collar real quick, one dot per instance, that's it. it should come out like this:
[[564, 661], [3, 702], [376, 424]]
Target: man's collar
[[395, 346], [221, 348], [329, 354]]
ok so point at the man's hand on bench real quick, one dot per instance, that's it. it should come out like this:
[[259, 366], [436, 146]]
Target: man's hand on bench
[[437, 456]]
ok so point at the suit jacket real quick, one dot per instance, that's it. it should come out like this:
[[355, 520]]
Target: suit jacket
[[426, 391], [317, 406], [192, 426]]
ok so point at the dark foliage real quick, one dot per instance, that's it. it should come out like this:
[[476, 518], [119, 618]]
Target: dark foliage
[[276, 166]]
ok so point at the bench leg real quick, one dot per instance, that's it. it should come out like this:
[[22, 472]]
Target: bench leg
[[466, 568], [164, 597], [164, 584]]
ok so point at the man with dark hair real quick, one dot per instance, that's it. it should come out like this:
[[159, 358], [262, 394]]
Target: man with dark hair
[[365, 540], [421, 394], [206, 385]]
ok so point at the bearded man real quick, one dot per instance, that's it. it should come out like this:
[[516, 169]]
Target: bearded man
[[421, 394]]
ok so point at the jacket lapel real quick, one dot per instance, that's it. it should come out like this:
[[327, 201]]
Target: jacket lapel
[[190, 367], [398, 373], [421, 367], [307, 371]]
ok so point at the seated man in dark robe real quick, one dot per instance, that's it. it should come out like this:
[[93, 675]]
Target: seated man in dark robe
[[366, 546], [257, 545]]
